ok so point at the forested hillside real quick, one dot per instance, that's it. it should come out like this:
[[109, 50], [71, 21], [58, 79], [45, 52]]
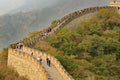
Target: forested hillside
[[33, 16], [92, 50]]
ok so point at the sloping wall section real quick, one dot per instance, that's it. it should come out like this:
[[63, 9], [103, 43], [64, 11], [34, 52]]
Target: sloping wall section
[[67, 19], [26, 65]]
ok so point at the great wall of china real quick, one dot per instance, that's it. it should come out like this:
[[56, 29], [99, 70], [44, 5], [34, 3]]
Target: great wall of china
[[22, 63], [27, 66]]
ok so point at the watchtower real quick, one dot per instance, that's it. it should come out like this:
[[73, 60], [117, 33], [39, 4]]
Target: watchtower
[[114, 3]]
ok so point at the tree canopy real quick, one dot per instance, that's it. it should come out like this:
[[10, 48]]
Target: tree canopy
[[95, 43]]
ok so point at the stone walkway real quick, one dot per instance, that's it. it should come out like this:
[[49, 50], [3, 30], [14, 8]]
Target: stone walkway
[[52, 72]]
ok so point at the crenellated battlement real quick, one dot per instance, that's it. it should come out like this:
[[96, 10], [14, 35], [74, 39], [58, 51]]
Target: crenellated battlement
[[53, 60], [114, 3], [28, 66], [65, 20]]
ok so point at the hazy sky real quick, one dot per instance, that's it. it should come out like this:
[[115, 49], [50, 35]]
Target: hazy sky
[[7, 5], [48, 13]]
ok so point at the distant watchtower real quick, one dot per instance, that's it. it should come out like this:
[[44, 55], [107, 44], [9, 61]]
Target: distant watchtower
[[114, 3]]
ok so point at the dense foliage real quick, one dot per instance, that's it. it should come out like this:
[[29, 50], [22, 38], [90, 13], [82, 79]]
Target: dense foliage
[[94, 47], [91, 51], [5, 72]]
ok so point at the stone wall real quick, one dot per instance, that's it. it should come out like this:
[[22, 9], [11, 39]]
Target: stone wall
[[53, 60], [65, 20], [26, 65], [114, 3]]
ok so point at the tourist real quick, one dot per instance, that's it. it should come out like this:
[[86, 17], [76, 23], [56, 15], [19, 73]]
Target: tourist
[[17, 46], [49, 30], [39, 59], [49, 62], [31, 54], [20, 45]]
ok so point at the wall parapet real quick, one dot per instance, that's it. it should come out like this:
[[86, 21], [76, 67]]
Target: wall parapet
[[54, 61], [65, 20], [31, 60], [114, 3], [55, 28]]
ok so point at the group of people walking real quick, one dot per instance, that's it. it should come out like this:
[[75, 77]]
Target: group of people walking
[[39, 59], [19, 46], [46, 31]]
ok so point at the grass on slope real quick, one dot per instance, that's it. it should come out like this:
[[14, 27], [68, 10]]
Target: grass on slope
[[7, 73]]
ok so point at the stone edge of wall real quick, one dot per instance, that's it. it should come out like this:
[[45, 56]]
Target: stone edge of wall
[[29, 59], [54, 61], [114, 3], [65, 20], [60, 24]]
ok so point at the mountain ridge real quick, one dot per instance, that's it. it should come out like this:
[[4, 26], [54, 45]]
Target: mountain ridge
[[14, 27]]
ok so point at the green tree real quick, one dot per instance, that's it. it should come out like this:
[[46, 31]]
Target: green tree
[[54, 22], [69, 47]]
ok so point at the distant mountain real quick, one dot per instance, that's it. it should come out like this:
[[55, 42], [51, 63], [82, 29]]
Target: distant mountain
[[17, 25], [30, 5]]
